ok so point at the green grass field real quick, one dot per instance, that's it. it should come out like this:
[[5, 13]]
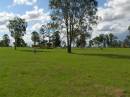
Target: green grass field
[[54, 73]]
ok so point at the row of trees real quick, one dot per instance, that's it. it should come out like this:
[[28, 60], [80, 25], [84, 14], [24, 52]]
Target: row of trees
[[109, 40], [17, 27], [74, 18], [5, 42], [103, 40], [40, 41]]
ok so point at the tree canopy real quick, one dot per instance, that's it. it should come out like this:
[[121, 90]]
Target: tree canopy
[[17, 28], [75, 15]]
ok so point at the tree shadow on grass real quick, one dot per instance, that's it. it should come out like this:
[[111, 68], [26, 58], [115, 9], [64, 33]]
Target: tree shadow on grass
[[112, 56], [32, 51]]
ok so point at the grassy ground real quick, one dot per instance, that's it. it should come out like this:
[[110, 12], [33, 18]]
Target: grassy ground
[[54, 73]]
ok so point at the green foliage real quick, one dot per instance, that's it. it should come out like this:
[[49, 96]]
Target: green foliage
[[81, 41], [127, 41], [17, 28], [129, 28], [35, 37], [107, 40], [56, 39], [21, 42], [75, 15], [5, 42]]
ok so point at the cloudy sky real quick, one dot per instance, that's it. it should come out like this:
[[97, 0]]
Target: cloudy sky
[[36, 12], [115, 18], [115, 15]]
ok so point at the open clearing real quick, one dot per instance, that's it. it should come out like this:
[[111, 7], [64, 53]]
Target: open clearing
[[54, 73]]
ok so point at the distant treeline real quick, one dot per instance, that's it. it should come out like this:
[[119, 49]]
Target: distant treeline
[[71, 25], [109, 40], [102, 41]]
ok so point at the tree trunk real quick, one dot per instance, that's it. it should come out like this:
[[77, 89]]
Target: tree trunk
[[104, 44], [69, 49], [34, 50], [15, 44], [68, 38], [15, 48], [70, 35], [68, 44]]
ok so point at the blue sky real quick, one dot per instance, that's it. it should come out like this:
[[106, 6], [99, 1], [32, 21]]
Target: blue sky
[[36, 12], [4, 6], [101, 2], [7, 5]]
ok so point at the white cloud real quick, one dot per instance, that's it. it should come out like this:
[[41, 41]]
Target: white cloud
[[115, 18], [4, 18], [27, 37], [35, 19], [36, 26], [36, 14], [24, 2]]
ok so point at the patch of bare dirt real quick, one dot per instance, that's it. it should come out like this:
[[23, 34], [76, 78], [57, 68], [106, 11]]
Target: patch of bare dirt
[[119, 93]]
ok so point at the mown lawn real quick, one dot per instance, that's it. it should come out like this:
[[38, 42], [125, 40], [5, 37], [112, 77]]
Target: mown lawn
[[54, 73]]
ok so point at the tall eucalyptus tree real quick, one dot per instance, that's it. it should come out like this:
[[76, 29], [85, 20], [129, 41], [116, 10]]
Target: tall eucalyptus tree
[[75, 15]]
